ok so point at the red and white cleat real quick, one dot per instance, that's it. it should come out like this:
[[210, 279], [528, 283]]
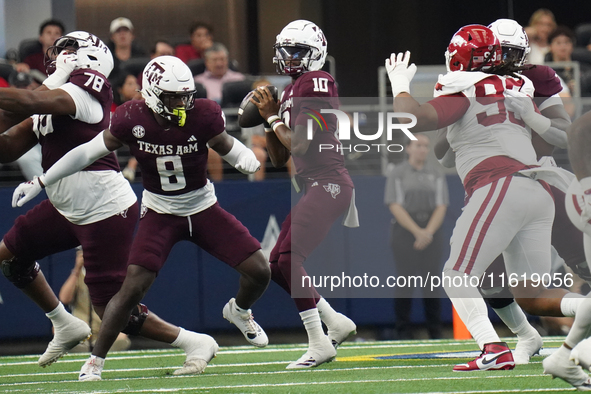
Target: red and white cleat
[[496, 355]]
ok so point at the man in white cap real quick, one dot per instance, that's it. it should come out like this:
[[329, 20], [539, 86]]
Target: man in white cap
[[121, 44]]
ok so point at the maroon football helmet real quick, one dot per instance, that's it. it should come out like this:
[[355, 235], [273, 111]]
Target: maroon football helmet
[[473, 48]]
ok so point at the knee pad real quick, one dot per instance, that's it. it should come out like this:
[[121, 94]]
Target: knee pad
[[20, 272], [497, 297], [136, 320], [582, 269]]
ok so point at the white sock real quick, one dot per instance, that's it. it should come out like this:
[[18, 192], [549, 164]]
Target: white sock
[[569, 304], [471, 308], [313, 326], [186, 340], [580, 329], [97, 360], [563, 351], [327, 314], [514, 318], [59, 316], [474, 314]]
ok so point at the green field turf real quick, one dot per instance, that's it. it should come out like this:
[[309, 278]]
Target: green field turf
[[361, 367]]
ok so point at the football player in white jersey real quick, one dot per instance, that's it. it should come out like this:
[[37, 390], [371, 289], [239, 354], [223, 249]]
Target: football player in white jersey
[[567, 242], [508, 211]]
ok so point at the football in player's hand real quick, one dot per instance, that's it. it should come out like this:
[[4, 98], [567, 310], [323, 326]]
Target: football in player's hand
[[248, 113]]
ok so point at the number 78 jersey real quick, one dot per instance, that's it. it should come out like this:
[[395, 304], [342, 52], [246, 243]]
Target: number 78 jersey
[[486, 128]]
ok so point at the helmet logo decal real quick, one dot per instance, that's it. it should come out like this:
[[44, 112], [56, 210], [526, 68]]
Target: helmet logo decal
[[154, 73]]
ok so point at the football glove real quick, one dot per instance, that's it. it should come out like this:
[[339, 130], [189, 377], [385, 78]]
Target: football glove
[[129, 174], [242, 158], [26, 191], [521, 104], [400, 73], [65, 63], [247, 164]]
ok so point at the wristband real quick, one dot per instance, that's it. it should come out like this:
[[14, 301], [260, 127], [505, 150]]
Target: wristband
[[538, 122], [41, 182], [277, 124], [268, 130], [57, 79], [272, 119]]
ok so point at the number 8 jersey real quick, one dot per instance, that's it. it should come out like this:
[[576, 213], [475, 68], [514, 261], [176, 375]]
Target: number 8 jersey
[[173, 161], [483, 134]]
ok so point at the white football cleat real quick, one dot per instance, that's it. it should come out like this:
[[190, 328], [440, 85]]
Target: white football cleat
[[526, 348], [342, 329], [581, 354], [559, 365], [253, 333], [92, 369], [199, 357], [64, 339], [316, 355]]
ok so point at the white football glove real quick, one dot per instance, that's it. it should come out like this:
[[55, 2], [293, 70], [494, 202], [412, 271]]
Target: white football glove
[[65, 63], [400, 73], [521, 104], [25, 192], [247, 164], [128, 173]]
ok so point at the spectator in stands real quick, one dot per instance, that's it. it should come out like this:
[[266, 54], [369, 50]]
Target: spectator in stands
[[541, 24], [126, 88], [562, 41], [74, 293], [201, 40], [417, 196], [122, 45], [217, 72], [162, 48], [49, 31]]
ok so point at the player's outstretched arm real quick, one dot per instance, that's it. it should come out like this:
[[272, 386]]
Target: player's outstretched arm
[[73, 161], [17, 141], [400, 75], [47, 99], [559, 122], [235, 153]]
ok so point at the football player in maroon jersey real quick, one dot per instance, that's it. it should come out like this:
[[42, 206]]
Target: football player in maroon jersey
[[169, 133], [328, 189], [95, 208]]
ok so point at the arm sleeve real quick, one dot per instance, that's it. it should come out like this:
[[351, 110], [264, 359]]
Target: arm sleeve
[[450, 108], [77, 159], [88, 109], [556, 137], [548, 101]]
